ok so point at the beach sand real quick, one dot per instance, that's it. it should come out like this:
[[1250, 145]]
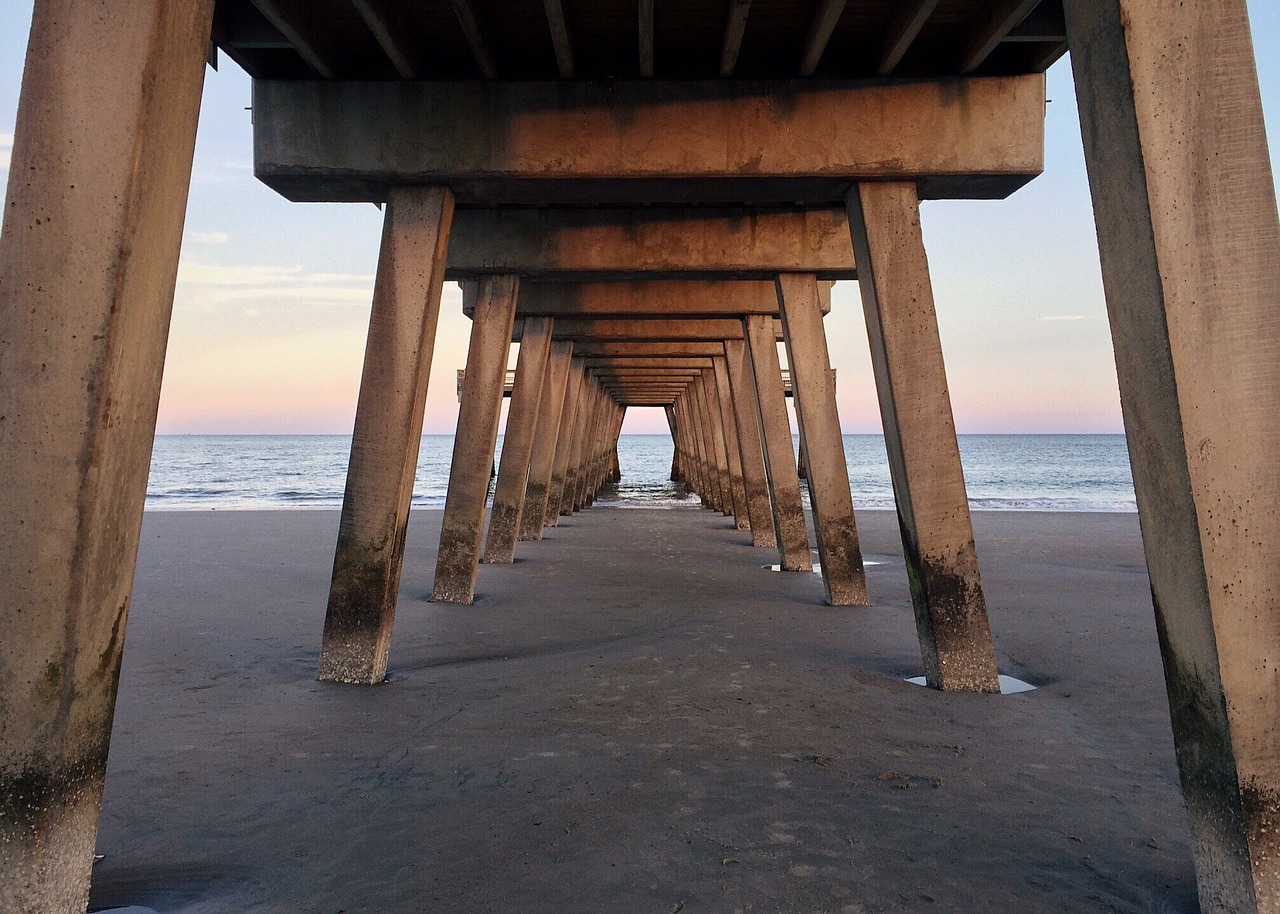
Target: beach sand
[[637, 717]]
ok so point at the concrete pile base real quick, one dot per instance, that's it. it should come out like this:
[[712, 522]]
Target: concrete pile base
[[637, 717]]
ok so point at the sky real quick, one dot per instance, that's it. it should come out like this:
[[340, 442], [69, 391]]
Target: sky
[[273, 298]]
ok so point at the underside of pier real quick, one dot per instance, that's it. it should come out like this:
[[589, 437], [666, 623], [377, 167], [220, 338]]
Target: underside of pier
[[649, 198]]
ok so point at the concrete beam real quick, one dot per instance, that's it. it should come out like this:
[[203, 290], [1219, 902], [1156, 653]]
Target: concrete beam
[[731, 141], [589, 243], [660, 330], [560, 40], [647, 362], [691, 299], [588, 348]]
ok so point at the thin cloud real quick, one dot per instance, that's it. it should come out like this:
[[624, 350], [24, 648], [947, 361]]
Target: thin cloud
[[1066, 317], [209, 237], [220, 284], [6, 150]]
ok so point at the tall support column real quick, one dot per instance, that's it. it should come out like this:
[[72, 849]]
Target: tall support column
[[462, 529], [828, 475], [590, 432], [756, 486], [101, 165], [712, 447], [564, 442], [575, 445], [1185, 206], [385, 441], [920, 436], [687, 405], [676, 456], [684, 425], [697, 465], [733, 445], [517, 441], [775, 432], [542, 460]]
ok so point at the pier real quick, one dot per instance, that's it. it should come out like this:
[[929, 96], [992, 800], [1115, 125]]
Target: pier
[[649, 198]]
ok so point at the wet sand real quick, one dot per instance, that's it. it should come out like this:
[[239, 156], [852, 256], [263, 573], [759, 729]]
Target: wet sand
[[637, 717]]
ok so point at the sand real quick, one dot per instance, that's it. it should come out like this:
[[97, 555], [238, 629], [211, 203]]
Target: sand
[[637, 717]]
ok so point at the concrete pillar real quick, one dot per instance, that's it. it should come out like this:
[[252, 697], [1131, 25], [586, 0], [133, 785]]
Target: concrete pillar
[[920, 436], [676, 455], [686, 450], [756, 486], [385, 441], [564, 442], [693, 425], [718, 443], [775, 432], [590, 441], [462, 529], [732, 445], [815, 399], [542, 461], [1185, 206], [716, 460], [517, 442], [88, 261], [575, 444]]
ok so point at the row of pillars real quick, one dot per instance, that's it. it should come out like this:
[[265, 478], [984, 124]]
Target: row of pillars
[[729, 424], [1187, 226]]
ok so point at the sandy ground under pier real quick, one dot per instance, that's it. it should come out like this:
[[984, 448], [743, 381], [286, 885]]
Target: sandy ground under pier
[[636, 717]]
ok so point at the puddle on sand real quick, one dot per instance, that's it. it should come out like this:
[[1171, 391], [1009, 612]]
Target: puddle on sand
[[817, 569], [1008, 685]]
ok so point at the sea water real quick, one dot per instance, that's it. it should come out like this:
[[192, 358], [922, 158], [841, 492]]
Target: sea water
[[1002, 472]]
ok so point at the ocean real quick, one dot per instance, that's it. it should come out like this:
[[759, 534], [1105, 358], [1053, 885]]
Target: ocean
[[1003, 472]]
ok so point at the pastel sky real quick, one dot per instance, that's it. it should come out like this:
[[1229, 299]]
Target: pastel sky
[[273, 297]]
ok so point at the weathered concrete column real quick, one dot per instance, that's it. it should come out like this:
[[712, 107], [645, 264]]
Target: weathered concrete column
[[677, 455], [714, 447], [542, 461], [733, 446], [462, 529], [387, 434], [815, 398], [718, 442], [580, 419], [564, 442], [775, 433], [590, 446], [756, 486], [1185, 206], [88, 261], [517, 441], [920, 436], [688, 404], [684, 425]]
